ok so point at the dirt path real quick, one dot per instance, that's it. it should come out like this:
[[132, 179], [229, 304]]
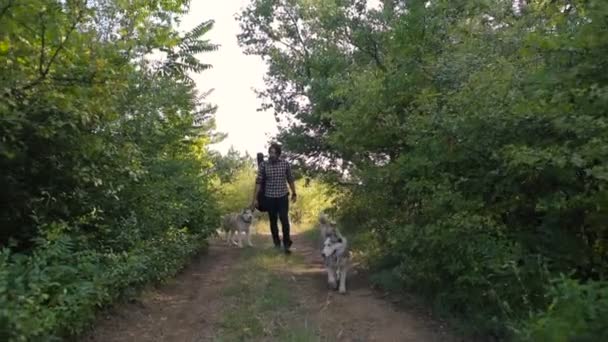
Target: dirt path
[[360, 315], [259, 294], [184, 310]]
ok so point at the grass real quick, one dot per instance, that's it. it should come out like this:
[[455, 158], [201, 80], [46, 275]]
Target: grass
[[261, 301]]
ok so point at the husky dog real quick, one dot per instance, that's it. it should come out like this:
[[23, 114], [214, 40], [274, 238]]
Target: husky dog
[[327, 227], [236, 224], [335, 254]]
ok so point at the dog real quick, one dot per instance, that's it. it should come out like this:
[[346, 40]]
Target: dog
[[236, 224], [327, 227], [335, 254]]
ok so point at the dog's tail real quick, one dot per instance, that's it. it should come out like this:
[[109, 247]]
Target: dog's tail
[[323, 219]]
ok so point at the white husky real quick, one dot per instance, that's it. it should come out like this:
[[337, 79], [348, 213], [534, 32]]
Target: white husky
[[335, 254], [236, 224]]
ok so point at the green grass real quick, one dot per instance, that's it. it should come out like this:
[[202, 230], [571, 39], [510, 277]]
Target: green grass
[[261, 302], [298, 334]]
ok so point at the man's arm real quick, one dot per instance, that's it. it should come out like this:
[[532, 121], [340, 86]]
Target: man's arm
[[256, 191], [292, 186], [291, 182]]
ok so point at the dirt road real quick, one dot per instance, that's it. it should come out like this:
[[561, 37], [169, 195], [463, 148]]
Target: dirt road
[[259, 294]]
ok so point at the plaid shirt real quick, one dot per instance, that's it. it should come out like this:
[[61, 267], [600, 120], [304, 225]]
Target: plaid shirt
[[276, 175]]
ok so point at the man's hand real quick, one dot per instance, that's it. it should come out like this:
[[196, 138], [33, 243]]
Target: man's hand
[[292, 187], [254, 201]]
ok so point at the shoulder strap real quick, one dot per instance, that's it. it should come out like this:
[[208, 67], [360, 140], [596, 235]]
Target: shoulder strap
[[263, 170]]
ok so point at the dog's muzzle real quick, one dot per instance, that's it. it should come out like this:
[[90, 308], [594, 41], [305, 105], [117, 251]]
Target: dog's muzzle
[[328, 256]]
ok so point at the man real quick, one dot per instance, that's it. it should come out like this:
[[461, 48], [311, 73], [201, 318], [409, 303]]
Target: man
[[275, 174]]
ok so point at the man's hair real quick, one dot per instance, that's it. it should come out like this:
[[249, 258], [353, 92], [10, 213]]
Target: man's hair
[[276, 147]]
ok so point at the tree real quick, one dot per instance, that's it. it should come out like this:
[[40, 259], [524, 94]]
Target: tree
[[453, 119], [225, 167], [86, 120]]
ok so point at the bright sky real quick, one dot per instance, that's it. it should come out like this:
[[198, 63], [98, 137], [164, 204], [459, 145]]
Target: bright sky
[[233, 76]]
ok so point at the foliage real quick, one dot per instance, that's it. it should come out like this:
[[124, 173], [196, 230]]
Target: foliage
[[104, 156], [471, 136], [314, 196], [226, 167], [90, 129], [577, 313], [237, 193], [56, 292]]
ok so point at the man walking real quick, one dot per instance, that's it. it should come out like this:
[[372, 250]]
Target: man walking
[[275, 174]]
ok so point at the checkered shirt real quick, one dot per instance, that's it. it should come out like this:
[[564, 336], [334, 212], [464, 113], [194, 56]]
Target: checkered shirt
[[276, 175]]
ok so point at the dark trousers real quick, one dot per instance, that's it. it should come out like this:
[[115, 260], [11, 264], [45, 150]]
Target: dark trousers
[[279, 208]]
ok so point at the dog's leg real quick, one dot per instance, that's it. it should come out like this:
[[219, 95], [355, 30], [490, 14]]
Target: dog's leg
[[342, 277], [233, 236], [240, 239], [228, 235], [249, 238], [331, 278]]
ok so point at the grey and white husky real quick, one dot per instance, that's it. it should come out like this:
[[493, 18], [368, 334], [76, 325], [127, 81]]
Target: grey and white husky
[[237, 224], [335, 254]]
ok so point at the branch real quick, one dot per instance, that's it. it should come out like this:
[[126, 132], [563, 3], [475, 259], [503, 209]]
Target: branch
[[376, 55], [306, 53], [47, 68], [26, 26], [62, 45], [42, 43], [5, 9], [295, 24], [372, 53], [86, 79], [275, 38]]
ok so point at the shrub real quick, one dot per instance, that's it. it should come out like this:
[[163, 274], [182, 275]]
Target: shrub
[[577, 313], [57, 291]]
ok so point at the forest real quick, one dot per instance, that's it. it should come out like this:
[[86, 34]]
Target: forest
[[473, 134]]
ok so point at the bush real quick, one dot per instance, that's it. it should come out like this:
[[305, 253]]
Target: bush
[[314, 196], [236, 194], [104, 156], [577, 313], [57, 291]]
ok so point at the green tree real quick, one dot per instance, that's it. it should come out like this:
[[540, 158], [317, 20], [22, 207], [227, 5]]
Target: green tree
[[106, 171], [470, 132], [226, 167], [84, 115]]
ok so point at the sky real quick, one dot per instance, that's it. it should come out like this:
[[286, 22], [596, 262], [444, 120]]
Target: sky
[[233, 76]]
